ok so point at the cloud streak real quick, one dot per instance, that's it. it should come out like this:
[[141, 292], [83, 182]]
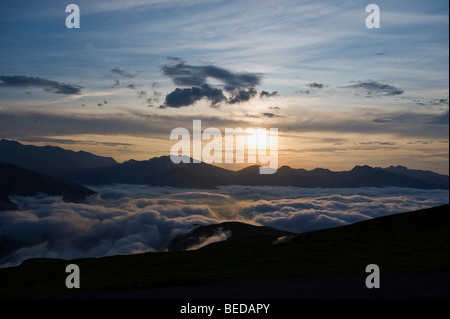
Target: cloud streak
[[22, 81], [122, 72], [374, 88]]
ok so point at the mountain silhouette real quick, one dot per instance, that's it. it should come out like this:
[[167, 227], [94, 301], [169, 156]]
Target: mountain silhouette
[[49, 159], [89, 169], [160, 171], [15, 180]]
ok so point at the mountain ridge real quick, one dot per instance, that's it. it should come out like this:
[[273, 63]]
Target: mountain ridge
[[161, 171], [48, 159], [15, 180]]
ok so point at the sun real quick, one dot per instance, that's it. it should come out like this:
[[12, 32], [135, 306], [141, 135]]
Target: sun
[[258, 139]]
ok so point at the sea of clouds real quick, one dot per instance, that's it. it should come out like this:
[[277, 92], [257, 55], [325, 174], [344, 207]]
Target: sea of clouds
[[127, 219]]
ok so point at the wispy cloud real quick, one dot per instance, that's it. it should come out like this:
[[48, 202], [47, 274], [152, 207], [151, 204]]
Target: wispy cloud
[[374, 88], [122, 72], [315, 85], [23, 81]]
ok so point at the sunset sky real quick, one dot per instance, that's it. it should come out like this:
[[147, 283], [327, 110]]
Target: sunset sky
[[339, 93]]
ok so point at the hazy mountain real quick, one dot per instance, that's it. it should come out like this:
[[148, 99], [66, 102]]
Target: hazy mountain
[[158, 171], [49, 159], [421, 174], [162, 172], [6, 203], [15, 180]]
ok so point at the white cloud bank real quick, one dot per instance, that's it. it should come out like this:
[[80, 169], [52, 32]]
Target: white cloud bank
[[129, 219]]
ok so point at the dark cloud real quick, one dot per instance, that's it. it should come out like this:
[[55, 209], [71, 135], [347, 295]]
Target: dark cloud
[[188, 96], [188, 75], [242, 95], [440, 119], [270, 115], [16, 124], [374, 88], [385, 119], [432, 102], [264, 94], [22, 81], [302, 92], [123, 72], [240, 86], [315, 85], [274, 108]]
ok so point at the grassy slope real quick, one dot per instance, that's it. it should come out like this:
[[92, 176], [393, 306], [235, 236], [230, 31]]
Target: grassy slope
[[401, 243]]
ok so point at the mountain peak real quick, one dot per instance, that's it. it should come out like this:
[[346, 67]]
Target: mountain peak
[[362, 168], [50, 160]]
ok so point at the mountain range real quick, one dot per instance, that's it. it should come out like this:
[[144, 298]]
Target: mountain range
[[160, 171]]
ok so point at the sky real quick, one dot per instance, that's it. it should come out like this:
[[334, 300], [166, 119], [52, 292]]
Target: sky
[[339, 93]]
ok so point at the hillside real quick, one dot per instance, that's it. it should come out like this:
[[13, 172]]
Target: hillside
[[401, 245], [49, 159], [15, 180]]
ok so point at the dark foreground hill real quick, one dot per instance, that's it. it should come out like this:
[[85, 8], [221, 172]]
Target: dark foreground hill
[[234, 232], [411, 250], [15, 180]]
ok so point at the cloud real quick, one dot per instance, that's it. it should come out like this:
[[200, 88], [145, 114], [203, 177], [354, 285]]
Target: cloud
[[442, 119], [270, 115], [188, 96], [122, 72], [18, 124], [187, 75], [374, 88], [315, 85], [219, 236], [265, 94], [22, 124], [432, 102], [22, 81], [240, 86], [385, 119], [127, 219], [242, 95]]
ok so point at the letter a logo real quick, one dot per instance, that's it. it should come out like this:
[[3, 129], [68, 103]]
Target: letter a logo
[[73, 19], [373, 280], [73, 280], [373, 19]]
